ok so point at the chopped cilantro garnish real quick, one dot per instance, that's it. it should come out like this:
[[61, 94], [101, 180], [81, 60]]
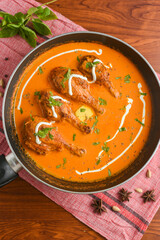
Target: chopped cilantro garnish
[[122, 129], [31, 117], [40, 70], [95, 123], [74, 137], [97, 130], [95, 143], [78, 59], [142, 93], [66, 77], [118, 78], [50, 136], [109, 172], [37, 93], [91, 64], [102, 101], [58, 166], [123, 108], [98, 161], [21, 110], [105, 148], [43, 132], [53, 102], [82, 109], [127, 78], [136, 119]]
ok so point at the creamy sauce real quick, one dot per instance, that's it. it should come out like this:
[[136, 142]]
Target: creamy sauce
[[53, 109], [124, 147], [38, 141], [58, 55]]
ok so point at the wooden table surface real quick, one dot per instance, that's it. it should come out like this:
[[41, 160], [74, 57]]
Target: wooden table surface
[[25, 213]]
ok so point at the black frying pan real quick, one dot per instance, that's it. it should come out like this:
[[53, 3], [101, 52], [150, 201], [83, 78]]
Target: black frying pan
[[18, 159]]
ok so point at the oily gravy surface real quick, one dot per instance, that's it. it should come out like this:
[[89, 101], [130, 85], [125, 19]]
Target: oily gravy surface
[[118, 135]]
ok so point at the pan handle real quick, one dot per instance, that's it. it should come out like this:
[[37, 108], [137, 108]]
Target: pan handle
[[8, 169]]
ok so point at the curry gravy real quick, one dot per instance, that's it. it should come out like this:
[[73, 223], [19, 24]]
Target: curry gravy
[[118, 135]]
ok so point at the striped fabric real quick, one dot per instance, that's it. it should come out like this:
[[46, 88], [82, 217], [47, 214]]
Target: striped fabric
[[135, 216]]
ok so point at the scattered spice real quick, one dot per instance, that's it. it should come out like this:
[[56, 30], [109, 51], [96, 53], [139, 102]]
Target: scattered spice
[[148, 196], [148, 173], [98, 208], [2, 83], [116, 209], [138, 190], [124, 195]]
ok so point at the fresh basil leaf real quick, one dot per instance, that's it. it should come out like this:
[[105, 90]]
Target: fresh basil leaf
[[32, 10], [51, 16], [29, 35], [41, 27], [14, 26], [10, 18], [39, 10], [20, 17], [8, 32]]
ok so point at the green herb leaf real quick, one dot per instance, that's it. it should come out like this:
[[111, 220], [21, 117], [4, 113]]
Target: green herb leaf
[[108, 137], [21, 110], [127, 78], [109, 172], [37, 93], [105, 148], [123, 108], [51, 136], [95, 123], [102, 101], [84, 123], [40, 70], [41, 27], [74, 137], [97, 131], [136, 119], [8, 32], [142, 93], [118, 78], [91, 64], [95, 143], [66, 77], [28, 34], [122, 129], [43, 132], [98, 161], [53, 102], [78, 59], [64, 162], [82, 109], [32, 10], [58, 166], [31, 117]]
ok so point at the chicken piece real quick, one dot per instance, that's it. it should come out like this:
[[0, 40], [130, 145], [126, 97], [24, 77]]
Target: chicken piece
[[96, 71], [56, 108], [73, 84], [42, 137]]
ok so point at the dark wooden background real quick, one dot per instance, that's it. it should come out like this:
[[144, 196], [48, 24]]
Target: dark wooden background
[[25, 214]]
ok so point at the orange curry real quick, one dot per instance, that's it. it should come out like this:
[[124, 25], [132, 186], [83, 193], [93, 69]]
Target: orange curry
[[117, 136]]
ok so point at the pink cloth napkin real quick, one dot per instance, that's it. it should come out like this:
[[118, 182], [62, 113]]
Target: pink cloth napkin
[[135, 216]]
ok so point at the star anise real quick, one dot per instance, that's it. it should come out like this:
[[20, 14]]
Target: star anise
[[98, 208], [124, 195], [148, 196]]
